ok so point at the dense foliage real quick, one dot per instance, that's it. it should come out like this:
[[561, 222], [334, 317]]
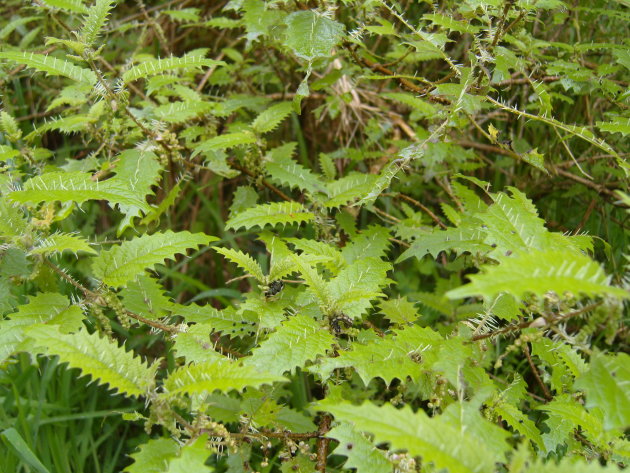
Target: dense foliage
[[319, 235]]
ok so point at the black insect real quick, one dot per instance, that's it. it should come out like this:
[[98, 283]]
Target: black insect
[[337, 320], [274, 288]]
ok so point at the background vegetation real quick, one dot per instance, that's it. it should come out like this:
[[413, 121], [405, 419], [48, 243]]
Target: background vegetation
[[314, 236]]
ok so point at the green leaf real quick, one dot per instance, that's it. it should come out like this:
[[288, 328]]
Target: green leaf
[[48, 308], [352, 187], [216, 375], [315, 282], [466, 238], [272, 117], [158, 66], [153, 456], [353, 289], [122, 263], [311, 34], [298, 340], [192, 458], [388, 358], [179, 112], [435, 440], [617, 125], [52, 66], [538, 272], [270, 214], [606, 384], [225, 141], [362, 454], [285, 171], [145, 296], [136, 173], [95, 20], [98, 357], [60, 242], [520, 423], [245, 261], [399, 310]]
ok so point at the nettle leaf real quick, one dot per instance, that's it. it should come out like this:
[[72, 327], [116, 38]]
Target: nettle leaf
[[179, 112], [372, 242], [52, 66], [357, 284], [520, 423], [512, 224], [195, 344], [383, 358], [210, 376], [617, 125], [352, 187], [311, 34], [153, 456], [60, 242], [136, 173], [606, 384], [314, 281], [12, 223], [98, 357], [465, 238], [392, 357], [538, 272], [95, 20], [192, 457], [568, 409], [245, 261], [122, 263], [48, 308], [399, 311], [436, 440], [158, 66], [272, 117], [145, 296], [270, 214], [362, 454], [298, 340], [225, 141], [285, 171]]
